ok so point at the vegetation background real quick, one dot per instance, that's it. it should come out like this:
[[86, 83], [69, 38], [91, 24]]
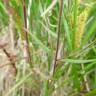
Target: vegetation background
[[47, 48]]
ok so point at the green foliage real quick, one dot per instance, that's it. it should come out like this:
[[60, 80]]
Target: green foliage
[[3, 14], [69, 74]]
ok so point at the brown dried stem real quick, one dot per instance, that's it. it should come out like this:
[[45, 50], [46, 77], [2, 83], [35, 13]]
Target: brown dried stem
[[11, 59], [26, 33]]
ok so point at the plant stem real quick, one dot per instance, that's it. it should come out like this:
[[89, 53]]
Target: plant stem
[[58, 30], [26, 34], [11, 59]]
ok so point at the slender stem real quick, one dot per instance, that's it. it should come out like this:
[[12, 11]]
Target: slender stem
[[11, 59], [26, 33], [85, 79], [58, 30]]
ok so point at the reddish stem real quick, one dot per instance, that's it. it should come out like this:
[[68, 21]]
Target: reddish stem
[[26, 33], [58, 38]]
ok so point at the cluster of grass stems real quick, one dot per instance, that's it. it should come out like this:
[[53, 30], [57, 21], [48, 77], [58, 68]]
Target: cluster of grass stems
[[48, 46]]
